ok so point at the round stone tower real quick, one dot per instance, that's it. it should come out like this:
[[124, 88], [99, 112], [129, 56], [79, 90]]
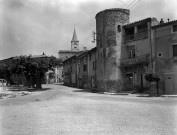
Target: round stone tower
[[109, 35]]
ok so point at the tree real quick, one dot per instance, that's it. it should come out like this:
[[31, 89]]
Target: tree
[[32, 68]]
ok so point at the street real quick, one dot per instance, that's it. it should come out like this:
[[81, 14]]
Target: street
[[61, 110]]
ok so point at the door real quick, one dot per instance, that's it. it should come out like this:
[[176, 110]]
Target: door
[[170, 82], [129, 81]]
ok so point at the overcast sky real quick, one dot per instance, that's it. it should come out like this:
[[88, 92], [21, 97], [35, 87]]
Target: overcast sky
[[37, 26]]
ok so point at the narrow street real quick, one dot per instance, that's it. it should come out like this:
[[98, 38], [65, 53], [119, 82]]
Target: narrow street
[[61, 110]]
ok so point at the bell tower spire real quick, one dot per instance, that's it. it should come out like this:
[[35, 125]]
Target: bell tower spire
[[74, 42]]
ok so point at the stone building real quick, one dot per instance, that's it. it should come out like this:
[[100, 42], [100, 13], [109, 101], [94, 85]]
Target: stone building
[[82, 70], [70, 71], [136, 54], [109, 38], [92, 68], [58, 72], [165, 56]]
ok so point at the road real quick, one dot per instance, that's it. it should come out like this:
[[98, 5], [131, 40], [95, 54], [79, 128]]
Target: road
[[61, 110]]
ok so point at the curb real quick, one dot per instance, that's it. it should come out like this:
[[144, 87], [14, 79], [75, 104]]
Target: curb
[[172, 96]]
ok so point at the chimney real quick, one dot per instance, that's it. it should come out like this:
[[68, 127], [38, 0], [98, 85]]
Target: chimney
[[168, 20], [161, 21], [84, 48]]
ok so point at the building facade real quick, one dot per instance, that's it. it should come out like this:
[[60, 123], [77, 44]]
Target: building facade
[[165, 56], [92, 68], [136, 54], [80, 70], [70, 71]]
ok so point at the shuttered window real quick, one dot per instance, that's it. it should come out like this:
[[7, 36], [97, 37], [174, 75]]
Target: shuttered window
[[174, 28], [174, 50]]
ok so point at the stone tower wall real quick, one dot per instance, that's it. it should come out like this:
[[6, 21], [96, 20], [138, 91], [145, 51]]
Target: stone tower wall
[[109, 41]]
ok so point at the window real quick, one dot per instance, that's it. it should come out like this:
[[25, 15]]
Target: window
[[90, 56], [85, 68], [174, 50], [84, 59], [142, 28], [131, 51], [71, 68], [119, 28], [174, 28]]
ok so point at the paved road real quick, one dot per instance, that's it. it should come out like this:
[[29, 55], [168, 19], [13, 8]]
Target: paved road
[[68, 111]]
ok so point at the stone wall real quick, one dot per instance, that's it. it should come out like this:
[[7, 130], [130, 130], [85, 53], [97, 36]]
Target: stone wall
[[109, 39]]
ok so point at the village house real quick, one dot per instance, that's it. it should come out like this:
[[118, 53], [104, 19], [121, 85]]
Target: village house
[[136, 54], [82, 70], [70, 71], [92, 68], [165, 56]]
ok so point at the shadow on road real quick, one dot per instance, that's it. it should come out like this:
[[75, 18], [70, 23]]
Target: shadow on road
[[58, 84], [145, 96], [83, 90], [27, 89], [43, 89]]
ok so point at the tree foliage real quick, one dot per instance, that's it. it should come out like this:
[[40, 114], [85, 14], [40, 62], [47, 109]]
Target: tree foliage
[[33, 69]]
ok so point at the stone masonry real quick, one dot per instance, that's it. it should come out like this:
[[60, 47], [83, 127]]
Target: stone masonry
[[109, 39]]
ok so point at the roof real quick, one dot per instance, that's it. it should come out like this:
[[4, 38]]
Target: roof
[[165, 24], [68, 51], [74, 36], [72, 57], [140, 21], [92, 50], [39, 56], [82, 54]]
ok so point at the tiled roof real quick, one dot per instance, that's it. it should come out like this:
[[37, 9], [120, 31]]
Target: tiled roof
[[143, 20], [165, 24], [68, 51]]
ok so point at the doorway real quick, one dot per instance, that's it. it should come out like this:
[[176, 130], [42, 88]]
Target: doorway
[[129, 81], [170, 83]]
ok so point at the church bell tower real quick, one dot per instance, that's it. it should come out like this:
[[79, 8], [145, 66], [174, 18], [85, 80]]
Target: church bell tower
[[74, 42]]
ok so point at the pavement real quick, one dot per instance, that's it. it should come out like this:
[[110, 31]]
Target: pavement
[[60, 110]]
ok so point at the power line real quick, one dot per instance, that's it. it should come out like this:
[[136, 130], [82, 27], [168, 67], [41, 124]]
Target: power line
[[140, 2], [129, 2], [132, 2]]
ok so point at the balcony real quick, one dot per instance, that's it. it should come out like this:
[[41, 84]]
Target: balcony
[[136, 36], [144, 59]]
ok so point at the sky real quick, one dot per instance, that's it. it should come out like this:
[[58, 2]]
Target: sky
[[31, 27]]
